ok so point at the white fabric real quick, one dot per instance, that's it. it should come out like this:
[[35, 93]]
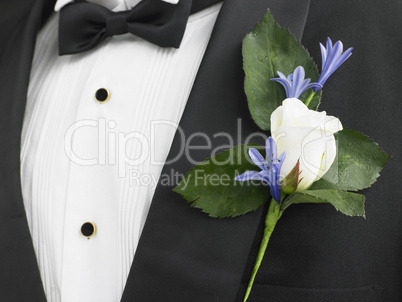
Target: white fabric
[[116, 5], [147, 84]]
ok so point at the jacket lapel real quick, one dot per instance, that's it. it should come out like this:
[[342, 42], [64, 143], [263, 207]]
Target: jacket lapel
[[183, 255], [19, 274]]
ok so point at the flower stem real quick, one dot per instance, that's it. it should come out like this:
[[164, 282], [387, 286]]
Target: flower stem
[[272, 217], [310, 97]]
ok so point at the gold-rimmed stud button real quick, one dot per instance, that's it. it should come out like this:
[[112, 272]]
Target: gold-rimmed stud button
[[88, 229], [102, 95]]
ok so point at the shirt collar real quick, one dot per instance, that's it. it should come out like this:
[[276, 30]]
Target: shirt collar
[[115, 5]]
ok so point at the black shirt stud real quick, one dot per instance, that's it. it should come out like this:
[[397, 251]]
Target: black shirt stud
[[88, 229], [102, 95]]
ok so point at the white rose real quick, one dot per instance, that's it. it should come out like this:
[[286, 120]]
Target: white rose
[[305, 135]]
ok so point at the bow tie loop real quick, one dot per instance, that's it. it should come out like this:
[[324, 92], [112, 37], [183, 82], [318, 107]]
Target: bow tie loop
[[116, 24]]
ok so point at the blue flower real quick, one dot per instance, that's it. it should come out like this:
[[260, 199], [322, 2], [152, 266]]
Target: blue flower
[[270, 168], [332, 58], [295, 84]]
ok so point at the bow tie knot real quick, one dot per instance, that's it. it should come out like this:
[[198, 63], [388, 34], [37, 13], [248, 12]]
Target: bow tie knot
[[116, 24]]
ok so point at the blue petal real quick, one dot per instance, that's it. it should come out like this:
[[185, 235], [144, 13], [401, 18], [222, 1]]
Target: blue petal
[[323, 54], [276, 193], [282, 159], [274, 185], [298, 80], [335, 53], [266, 176], [315, 86], [342, 58], [270, 149], [329, 43], [332, 58], [295, 84], [285, 83], [282, 76], [257, 158], [270, 168]]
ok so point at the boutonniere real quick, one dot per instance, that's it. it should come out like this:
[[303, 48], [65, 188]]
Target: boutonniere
[[308, 158]]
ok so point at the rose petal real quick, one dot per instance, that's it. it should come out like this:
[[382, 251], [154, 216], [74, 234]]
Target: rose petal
[[310, 147]]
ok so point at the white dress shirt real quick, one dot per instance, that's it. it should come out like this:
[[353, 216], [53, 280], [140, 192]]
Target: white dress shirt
[[85, 161]]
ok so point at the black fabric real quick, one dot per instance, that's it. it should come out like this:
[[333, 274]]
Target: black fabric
[[199, 5], [83, 25], [315, 253], [20, 21], [271, 293]]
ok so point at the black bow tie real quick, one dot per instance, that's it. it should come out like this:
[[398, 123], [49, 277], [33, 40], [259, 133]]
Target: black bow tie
[[83, 25]]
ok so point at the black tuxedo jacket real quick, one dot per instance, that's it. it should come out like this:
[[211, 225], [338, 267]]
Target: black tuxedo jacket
[[315, 254]]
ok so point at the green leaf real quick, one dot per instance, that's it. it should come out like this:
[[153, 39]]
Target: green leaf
[[359, 163], [269, 48], [211, 187], [348, 203]]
